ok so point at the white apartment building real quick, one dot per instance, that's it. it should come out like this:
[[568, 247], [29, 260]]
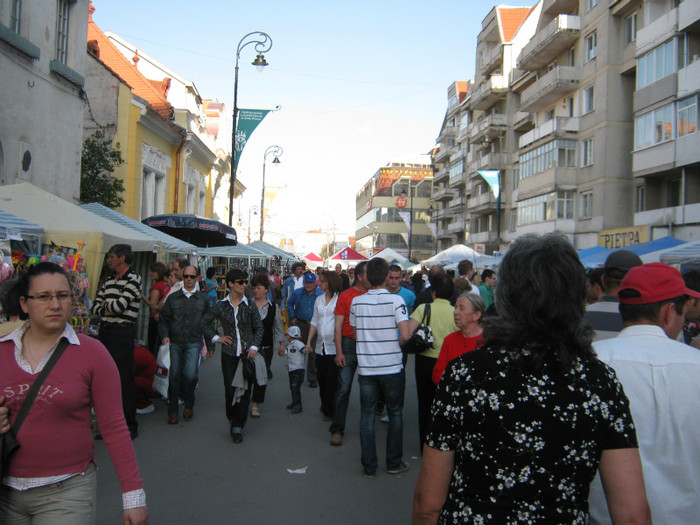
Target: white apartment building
[[42, 70], [588, 113]]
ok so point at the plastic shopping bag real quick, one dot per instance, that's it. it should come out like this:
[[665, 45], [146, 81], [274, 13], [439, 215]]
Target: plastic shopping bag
[[161, 377]]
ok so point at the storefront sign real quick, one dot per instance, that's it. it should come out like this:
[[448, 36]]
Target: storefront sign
[[622, 237], [401, 202]]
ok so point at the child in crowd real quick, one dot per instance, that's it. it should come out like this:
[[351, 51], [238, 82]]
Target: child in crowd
[[296, 364]]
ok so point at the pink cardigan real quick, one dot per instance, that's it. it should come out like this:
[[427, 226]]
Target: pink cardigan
[[55, 437]]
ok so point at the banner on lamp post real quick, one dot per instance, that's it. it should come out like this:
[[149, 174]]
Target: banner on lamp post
[[491, 178], [248, 120]]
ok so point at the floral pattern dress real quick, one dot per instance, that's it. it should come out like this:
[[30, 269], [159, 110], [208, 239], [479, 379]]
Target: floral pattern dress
[[527, 443]]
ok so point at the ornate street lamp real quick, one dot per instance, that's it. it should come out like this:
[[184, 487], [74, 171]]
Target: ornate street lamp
[[277, 152], [263, 43]]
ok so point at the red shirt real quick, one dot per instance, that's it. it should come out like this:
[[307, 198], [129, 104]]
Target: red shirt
[[342, 307], [453, 346]]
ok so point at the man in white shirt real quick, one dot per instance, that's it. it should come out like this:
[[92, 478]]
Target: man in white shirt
[[661, 378], [378, 317]]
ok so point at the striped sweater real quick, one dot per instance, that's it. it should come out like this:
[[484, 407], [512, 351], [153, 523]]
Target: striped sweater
[[118, 300]]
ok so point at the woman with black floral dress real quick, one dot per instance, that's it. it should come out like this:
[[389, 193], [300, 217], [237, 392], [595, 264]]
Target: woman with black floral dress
[[520, 426]]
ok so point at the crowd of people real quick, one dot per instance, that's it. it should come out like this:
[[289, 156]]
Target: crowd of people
[[549, 395]]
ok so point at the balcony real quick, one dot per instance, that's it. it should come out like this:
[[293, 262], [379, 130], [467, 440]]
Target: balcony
[[458, 181], [493, 59], [559, 82], [444, 194], [550, 180], [458, 204], [656, 32], [484, 237], [489, 92], [485, 201], [491, 161], [688, 14], [554, 7], [457, 226], [523, 121], [441, 214], [559, 35], [556, 127], [441, 174], [457, 156], [689, 76], [490, 127]]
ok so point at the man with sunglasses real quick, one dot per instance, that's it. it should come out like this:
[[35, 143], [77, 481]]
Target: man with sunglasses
[[117, 305], [179, 326]]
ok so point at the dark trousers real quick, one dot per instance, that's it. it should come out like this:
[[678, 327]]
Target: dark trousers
[[311, 373], [153, 339], [296, 379], [119, 341], [327, 372], [237, 414], [259, 391], [426, 392]]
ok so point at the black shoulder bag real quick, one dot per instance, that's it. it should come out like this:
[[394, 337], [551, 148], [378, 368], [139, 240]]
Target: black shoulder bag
[[8, 440], [422, 339]]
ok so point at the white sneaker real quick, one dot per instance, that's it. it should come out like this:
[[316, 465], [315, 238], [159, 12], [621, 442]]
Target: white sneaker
[[385, 419], [147, 409]]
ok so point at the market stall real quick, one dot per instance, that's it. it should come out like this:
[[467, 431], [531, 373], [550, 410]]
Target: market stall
[[346, 257], [451, 257], [69, 229]]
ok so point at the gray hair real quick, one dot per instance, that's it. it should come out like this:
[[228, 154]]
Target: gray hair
[[478, 303]]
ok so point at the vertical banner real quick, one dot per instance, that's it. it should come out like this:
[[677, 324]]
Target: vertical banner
[[491, 178], [248, 120], [433, 229]]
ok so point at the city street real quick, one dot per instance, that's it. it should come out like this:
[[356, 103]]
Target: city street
[[194, 474]]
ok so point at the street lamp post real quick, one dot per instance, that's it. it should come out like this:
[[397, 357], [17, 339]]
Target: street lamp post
[[263, 43], [276, 151], [254, 211]]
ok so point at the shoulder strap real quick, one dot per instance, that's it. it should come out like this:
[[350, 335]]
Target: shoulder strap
[[38, 382], [426, 313]]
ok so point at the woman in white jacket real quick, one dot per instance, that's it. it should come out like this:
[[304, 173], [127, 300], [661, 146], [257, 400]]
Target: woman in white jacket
[[323, 326]]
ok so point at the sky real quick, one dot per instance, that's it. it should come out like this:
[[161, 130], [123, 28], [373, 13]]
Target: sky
[[361, 84]]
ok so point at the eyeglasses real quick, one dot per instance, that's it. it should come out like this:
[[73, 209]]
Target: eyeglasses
[[46, 297], [189, 276], [239, 281]]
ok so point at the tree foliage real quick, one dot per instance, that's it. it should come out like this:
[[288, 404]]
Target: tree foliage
[[99, 159]]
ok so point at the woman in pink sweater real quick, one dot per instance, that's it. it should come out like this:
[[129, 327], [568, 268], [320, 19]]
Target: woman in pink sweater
[[52, 476]]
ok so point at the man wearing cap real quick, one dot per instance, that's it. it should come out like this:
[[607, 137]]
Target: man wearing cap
[[604, 315], [661, 378], [301, 309]]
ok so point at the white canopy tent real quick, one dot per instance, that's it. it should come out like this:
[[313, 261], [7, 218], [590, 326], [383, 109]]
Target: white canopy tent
[[66, 224], [451, 257]]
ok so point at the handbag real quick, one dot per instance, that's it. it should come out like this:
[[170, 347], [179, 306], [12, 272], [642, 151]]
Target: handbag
[[422, 339], [161, 378], [248, 369], [8, 440]]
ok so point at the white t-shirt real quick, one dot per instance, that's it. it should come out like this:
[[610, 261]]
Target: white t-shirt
[[296, 357], [376, 316]]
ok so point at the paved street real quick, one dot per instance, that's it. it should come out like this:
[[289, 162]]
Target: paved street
[[194, 474]]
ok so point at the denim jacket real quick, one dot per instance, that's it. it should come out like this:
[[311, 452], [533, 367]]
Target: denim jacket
[[250, 327]]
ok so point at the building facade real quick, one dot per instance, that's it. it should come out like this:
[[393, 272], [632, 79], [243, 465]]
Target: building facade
[[393, 210], [587, 111], [42, 74]]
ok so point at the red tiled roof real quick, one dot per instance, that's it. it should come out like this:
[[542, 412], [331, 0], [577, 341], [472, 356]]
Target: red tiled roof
[[510, 19], [119, 64]]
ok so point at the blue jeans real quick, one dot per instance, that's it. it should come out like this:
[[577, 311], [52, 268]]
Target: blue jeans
[[345, 376], [296, 379], [391, 386], [184, 370]]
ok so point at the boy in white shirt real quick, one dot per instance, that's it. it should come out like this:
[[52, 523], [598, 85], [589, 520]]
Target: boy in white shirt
[[296, 364]]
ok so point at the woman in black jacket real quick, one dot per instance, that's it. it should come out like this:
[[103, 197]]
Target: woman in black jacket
[[243, 331]]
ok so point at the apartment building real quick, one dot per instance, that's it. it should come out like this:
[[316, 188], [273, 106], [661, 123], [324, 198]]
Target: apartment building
[[587, 112], [393, 211]]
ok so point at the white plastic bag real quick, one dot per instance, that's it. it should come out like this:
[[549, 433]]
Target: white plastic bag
[[160, 379]]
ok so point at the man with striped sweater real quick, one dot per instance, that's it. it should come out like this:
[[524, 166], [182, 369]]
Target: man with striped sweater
[[378, 317], [117, 305]]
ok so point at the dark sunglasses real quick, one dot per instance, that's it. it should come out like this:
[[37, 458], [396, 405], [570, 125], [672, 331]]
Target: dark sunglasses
[[239, 281], [189, 276]]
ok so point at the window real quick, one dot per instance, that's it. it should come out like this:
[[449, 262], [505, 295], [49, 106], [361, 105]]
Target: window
[[572, 57], [549, 115], [639, 199], [457, 170], [591, 43], [588, 99], [557, 153], [654, 127], [587, 152], [565, 205], [62, 21], [16, 15], [590, 4], [656, 64], [674, 192], [570, 105], [548, 207], [630, 28], [687, 116], [587, 205]]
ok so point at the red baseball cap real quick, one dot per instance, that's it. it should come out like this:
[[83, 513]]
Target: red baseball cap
[[651, 283]]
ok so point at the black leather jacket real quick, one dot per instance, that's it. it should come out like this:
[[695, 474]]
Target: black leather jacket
[[250, 327]]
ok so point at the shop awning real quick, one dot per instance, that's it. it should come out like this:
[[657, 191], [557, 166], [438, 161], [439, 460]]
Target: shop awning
[[11, 225], [273, 251], [168, 242], [200, 231]]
